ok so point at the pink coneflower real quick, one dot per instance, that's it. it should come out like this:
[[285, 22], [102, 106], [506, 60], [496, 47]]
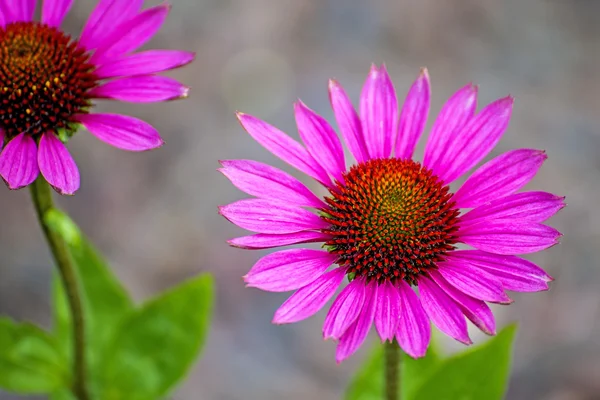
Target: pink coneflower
[[48, 81], [390, 224]]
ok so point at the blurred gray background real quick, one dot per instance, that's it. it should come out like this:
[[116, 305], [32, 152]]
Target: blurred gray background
[[154, 214]]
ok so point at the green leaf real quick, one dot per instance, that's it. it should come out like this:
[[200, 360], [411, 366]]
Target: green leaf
[[30, 360], [416, 371], [478, 373], [156, 344]]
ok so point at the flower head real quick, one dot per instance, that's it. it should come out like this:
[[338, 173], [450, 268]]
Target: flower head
[[390, 224], [48, 81]]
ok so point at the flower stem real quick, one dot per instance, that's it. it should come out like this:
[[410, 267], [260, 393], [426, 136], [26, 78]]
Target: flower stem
[[41, 194], [392, 370]]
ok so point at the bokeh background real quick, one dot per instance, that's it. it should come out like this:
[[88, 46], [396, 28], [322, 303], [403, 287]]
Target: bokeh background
[[154, 214]]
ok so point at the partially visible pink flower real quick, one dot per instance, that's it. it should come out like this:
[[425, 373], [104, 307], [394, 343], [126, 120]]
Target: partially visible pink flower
[[48, 81], [390, 224]]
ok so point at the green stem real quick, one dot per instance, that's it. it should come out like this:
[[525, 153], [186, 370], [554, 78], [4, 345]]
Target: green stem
[[41, 194], [392, 370]]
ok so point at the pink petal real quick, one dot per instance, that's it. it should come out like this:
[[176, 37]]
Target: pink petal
[[345, 309], [266, 240], [321, 141], [379, 112], [475, 310], [448, 125], [18, 162], [308, 300], [413, 116], [508, 236], [473, 281], [348, 121], [122, 131], [517, 282], [57, 165], [475, 140], [270, 216], [145, 62], [141, 89], [443, 311], [18, 10], [499, 177], [284, 147], [414, 329], [356, 334], [266, 182], [528, 206], [107, 15], [289, 269], [54, 11], [387, 311]]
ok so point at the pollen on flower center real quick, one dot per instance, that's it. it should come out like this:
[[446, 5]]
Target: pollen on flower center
[[44, 79], [393, 219]]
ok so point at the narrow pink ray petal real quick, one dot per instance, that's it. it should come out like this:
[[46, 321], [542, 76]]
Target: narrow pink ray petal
[[517, 282], [18, 162], [270, 216], [348, 121], [527, 206], [345, 309], [443, 311], [145, 62], [508, 236], [18, 10], [2, 17], [413, 116], [266, 240], [320, 140], [473, 281], [141, 89], [356, 334], [387, 311], [452, 118], [475, 310], [499, 177], [284, 147], [414, 330], [56, 164], [475, 140], [107, 15], [121, 131], [379, 112], [131, 34], [309, 299], [54, 11], [289, 269], [267, 182]]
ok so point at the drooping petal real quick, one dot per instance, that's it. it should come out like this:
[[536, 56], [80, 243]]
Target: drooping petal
[[310, 299], [270, 216], [473, 281], [356, 334], [107, 15], [54, 11], [18, 10], [284, 147], [348, 121], [507, 236], [145, 62], [414, 329], [56, 164], [475, 310], [345, 309], [266, 240], [413, 116], [121, 131], [387, 306], [443, 311], [452, 118], [475, 140], [527, 206], [289, 269], [320, 140], [379, 112], [499, 177], [18, 162], [141, 89]]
